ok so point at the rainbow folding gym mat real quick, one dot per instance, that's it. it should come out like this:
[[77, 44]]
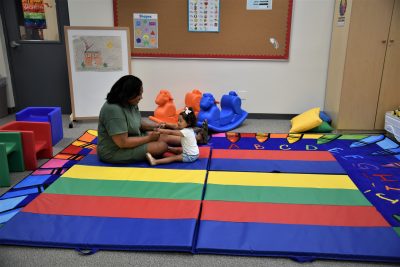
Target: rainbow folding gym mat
[[126, 207], [310, 209], [297, 211]]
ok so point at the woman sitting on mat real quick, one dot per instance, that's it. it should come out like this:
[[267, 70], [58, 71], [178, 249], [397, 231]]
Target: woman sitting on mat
[[189, 151], [123, 136]]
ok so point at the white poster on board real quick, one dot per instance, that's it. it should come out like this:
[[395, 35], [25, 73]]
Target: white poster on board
[[203, 15], [97, 57], [259, 4]]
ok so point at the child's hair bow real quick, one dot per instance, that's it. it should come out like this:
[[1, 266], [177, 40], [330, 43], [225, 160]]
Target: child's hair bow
[[187, 111]]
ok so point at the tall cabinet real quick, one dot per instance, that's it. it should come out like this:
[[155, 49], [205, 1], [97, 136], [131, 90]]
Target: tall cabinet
[[364, 67]]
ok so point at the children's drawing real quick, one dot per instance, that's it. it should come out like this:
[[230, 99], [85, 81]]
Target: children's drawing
[[97, 53]]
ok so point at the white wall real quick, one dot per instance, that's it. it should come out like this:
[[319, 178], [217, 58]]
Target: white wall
[[274, 87]]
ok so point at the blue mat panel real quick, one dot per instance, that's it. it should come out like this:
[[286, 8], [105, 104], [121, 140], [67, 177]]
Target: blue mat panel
[[284, 166], [98, 232], [5, 216], [33, 180], [199, 164], [359, 243], [371, 173], [10, 203], [21, 192]]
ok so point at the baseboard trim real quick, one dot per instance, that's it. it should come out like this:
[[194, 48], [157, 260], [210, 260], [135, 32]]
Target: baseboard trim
[[266, 116], [260, 116], [11, 110]]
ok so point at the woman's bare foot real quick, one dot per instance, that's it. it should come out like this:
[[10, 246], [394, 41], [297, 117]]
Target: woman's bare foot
[[150, 159]]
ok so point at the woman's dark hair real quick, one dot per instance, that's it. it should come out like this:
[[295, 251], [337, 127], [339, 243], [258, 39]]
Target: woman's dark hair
[[189, 116], [125, 88]]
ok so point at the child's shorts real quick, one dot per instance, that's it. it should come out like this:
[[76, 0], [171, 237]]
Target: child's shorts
[[189, 158]]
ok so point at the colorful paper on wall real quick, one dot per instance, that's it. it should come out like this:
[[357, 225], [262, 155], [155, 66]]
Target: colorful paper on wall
[[34, 16], [203, 15], [145, 28]]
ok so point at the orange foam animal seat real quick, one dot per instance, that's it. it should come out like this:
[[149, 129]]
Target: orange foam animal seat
[[166, 109], [192, 100]]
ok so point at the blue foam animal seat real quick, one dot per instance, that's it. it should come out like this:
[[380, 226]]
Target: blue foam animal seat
[[51, 115], [208, 110], [229, 117]]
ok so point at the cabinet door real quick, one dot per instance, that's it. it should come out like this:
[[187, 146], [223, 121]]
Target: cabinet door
[[389, 97], [366, 47]]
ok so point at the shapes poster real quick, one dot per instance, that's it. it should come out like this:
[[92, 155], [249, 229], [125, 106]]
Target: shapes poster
[[97, 53], [203, 15], [145, 28]]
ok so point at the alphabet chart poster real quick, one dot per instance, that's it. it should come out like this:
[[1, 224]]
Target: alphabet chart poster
[[203, 15], [145, 28]]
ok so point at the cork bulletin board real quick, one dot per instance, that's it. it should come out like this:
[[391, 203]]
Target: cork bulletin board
[[243, 33]]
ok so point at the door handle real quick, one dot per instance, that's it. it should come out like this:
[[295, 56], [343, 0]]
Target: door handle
[[14, 44]]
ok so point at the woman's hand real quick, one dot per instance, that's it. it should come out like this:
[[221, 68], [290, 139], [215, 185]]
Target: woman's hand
[[154, 136], [166, 125], [147, 125], [169, 132], [171, 126]]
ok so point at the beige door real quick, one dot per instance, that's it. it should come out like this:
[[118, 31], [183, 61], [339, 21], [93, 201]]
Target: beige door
[[389, 98], [368, 34]]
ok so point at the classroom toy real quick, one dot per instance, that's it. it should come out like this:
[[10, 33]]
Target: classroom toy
[[192, 100], [51, 115], [11, 157], [166, 110], [36, 140], [229, 117], [306, 121]]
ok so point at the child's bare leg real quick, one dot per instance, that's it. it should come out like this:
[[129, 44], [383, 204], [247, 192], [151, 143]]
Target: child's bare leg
[[171, 140], [166, 160], [175, 150]]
